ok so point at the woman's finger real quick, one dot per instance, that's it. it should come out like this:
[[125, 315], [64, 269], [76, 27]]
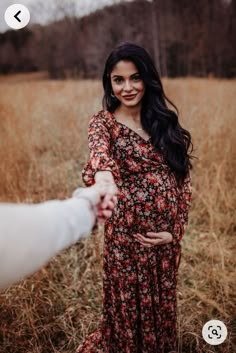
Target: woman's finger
[[106, 201], [115, 199], [142, 243], [144, 240], [154, 235], [148, 241], [103, 215], [111, 204], [107, 213], [164, 237]]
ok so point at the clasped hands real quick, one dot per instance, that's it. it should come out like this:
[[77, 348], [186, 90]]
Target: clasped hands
[[104, 193], [101, 197]]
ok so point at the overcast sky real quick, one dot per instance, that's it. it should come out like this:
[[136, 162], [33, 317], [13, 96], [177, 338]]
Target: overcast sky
[[42, 11]]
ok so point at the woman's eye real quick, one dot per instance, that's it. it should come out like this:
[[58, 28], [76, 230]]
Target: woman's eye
[[118, 80], [136, 78]]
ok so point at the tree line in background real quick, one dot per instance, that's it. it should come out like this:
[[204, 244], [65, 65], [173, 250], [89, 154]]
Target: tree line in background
[[185, 38]]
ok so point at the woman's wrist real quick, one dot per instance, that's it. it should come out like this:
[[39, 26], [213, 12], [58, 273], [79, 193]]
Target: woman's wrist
[[104, 176]]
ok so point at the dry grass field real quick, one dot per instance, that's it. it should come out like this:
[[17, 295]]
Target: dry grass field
[[43, 147]]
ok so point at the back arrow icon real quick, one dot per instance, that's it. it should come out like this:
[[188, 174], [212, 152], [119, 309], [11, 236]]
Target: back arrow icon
[[16, 16]]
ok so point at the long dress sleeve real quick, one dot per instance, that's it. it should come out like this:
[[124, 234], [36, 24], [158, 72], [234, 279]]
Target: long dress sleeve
[[99, 143], [184, 203]]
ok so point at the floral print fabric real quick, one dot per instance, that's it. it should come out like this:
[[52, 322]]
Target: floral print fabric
[[139, 284]]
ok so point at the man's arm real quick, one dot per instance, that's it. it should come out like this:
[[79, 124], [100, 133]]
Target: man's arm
[[31, 234]]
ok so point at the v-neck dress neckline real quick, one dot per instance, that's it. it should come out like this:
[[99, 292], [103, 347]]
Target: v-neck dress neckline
[[131, 130]]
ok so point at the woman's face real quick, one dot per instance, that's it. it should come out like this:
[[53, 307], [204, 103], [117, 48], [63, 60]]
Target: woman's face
[[126, 84]]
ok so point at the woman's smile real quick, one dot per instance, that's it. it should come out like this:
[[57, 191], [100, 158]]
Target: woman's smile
[[127, 85], [130, 97]]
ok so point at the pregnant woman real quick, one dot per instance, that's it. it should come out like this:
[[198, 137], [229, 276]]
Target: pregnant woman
[[137, 144]]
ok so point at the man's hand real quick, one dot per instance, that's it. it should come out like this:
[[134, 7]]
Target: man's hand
[[152, 239]]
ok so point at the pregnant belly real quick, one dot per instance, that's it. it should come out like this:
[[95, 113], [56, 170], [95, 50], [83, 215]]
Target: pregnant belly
[[149, 202]]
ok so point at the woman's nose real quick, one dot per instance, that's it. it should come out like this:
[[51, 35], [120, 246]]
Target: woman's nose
[[127, 86]]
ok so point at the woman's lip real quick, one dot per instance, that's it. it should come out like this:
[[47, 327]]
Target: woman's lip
[[130, 96]]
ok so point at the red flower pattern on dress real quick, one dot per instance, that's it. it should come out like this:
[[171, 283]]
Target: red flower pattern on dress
[[139, 284]]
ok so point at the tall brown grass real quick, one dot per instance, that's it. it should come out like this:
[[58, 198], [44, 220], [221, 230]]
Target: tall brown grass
[[43, 147]]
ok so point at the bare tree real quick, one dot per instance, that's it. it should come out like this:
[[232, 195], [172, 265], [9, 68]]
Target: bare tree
[[184, 37]]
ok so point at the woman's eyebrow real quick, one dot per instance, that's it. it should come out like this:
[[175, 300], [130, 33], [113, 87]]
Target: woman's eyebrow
[[136, 73]]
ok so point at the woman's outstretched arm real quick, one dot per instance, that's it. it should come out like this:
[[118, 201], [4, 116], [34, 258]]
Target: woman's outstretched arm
[[100, 159]]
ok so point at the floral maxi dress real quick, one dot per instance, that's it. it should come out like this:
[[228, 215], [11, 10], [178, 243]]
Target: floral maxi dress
[[139, 283]]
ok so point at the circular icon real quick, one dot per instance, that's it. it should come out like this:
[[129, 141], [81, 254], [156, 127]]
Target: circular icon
[[17, 16], [214, 332]]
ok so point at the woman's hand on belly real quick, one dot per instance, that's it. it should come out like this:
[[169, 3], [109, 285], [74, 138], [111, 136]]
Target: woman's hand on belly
[[152, 239]]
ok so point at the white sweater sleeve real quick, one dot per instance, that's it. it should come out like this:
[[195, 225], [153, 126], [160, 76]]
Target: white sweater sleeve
[[31, 234]]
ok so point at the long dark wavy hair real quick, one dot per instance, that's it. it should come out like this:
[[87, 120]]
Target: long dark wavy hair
[[160, 122]]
